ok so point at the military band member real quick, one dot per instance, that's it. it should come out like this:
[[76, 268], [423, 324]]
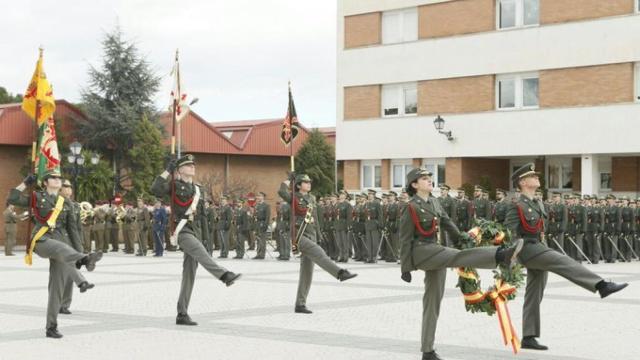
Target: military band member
[[114, 227], [525, 219], [263, 216], [558, 219], [191, 229], [307, 232], [99, 221], [420, 251], [342, 225], [54, 215]]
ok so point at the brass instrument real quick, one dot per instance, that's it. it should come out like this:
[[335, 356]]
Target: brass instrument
[[120, 213], [86, 211]]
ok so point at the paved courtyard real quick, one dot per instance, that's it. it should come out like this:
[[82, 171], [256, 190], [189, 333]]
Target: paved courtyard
[[130, 314]]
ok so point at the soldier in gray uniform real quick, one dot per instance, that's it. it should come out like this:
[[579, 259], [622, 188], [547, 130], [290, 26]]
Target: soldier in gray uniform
[[67, 292], [191, 229], [11, 228], [391, 225], [448, 204], [243, 225], [307, 234], [525, 219], [56, 242], [421, 251], [143, 217], [464, 211], [372, 226], [263, 216], [627, 228], [284, 220], [501, 206], [342, 224], [224, 226], [557, 226], [612, 225], [592, 238], [481, 206]]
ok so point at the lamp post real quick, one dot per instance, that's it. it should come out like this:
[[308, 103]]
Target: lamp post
[[439, 124], [77, 160]]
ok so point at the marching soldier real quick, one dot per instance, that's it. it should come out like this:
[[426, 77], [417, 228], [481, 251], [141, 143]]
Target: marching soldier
[[373, 225], [558, 216], [11, 228], [284, 219], [421, 251], [448, 204], [307, 234], [481, 206], [464, 211], [226, 220], [191, 229], [501, 206], [55, 237], [263, 216], [612, 226], [525, 219], [342, 224], [143, 218]]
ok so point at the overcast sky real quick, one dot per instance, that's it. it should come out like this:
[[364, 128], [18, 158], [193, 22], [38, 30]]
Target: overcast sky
[[236, 55]]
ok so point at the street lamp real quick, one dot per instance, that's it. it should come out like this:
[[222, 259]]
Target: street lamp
[[95, 159], [439, 124]]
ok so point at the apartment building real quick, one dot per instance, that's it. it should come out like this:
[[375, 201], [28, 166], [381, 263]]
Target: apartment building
[[556, 82]]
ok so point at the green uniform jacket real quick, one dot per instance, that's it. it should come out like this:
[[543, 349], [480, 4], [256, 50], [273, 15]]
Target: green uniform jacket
[[500, 211], [595, 219], [226, 218], [482, 208], [198, 225], [284, 216], [263, 216], [374, 216], [558, 218], [66, 229], [612, 220], [391, 221], [449, 205], [415, 246], [529, 227], [343, 216], [464, 214], [302, 204], [577, 219], [243, 216], [628, 220]]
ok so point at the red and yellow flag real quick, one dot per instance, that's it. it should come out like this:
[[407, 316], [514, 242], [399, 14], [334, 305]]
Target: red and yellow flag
[[290, 124], [39, 91]]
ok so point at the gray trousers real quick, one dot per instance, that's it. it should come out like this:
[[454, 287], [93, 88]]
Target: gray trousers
[[194, 254], [285, 243], [10, 242], [592, 246], [435, 269], [608, 251], [342, 239], [67, 294], [311, 253], [571, 249], [62, 270], [537, 268], [243, 236], [224, 243], [373, 242], [262, 243]]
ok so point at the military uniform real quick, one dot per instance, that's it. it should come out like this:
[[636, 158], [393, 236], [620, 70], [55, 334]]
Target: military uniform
[[131, 230], [372, 226], [391, 226], [143, 218], [311, 252], [191, 236], [11, 229], [448, 204], [342, 224], [212, 217], [557, 226], [627, 229], [99, 228], [500, 210], [67, 292], [593, 236], [464, 213], [226, 220], [284, 222], [61, 244], [612, 226], [420, 250], [576, 227], [243, 224], [263, 216], [481, 206]]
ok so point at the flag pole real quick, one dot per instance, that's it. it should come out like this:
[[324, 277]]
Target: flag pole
[[293, 180], [173, 153]]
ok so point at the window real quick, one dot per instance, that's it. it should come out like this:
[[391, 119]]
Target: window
[[437, 168], [399, 99], [560, 174], [605, 181], [517, 91], [637, 79], [604, 167], [371, 176], [399, 26], [517, 13], [399, 171]]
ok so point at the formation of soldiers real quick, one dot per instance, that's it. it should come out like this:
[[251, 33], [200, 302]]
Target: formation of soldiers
[[362, 226]]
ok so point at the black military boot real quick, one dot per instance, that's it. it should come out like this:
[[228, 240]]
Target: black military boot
[[229, 278], [509, 256], [606, 288], [52, 332], [65, 311], [89, 261], [184, 319], [530, 342], [84, 286], [431, 356], [344, 275], [302, 309]]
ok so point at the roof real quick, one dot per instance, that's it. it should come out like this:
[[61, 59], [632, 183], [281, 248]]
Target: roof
[[16, 128]]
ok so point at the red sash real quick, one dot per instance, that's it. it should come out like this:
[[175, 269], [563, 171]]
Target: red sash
[[537, 228], [416, 223], [36, 212], [177, 201]]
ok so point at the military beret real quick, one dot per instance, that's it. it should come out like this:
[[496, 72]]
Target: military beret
[[526, 170], [186, 160], [445, 187], [416, 174], [51, 173], [303, 178]]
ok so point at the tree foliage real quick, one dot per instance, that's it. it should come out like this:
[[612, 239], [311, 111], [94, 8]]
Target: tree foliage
[[316, 158], [8, 98], [146, 157]]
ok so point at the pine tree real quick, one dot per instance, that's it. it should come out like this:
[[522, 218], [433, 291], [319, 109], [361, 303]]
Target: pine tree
[[8, 98], [119, 94], [146, 157], [316, 158]]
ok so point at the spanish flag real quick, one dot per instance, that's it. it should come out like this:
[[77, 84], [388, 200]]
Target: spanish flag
[[39, 90]]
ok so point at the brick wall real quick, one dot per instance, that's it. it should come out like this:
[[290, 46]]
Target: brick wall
[[12, 159], [362, 30], [625, 173], [385, 174], [584, 86], [470, 170], [362, 102], [456, 95], [557, 11], [453, 169], [455, 18], [351, 175]]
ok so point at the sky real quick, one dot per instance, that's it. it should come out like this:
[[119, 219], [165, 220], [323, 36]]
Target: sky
[[236, 56]]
